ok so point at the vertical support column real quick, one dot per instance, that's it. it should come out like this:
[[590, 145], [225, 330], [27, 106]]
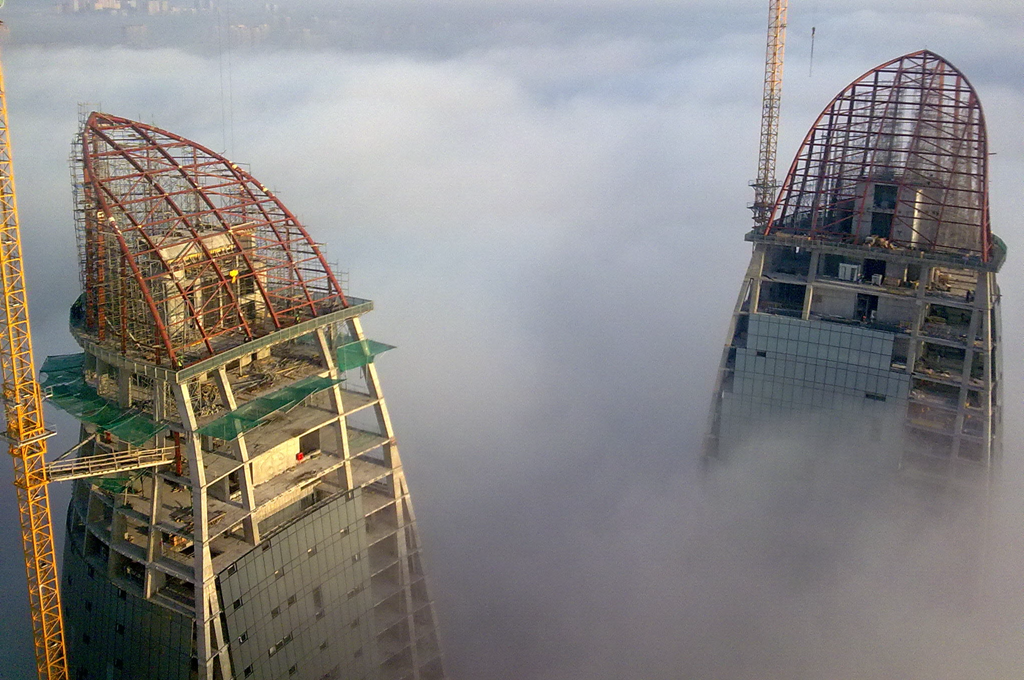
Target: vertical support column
[[148, 588], [159, 391], [403, 507], [922, 306], [380, 409], [812, 274], [211, 649], [227, 396], [124, 387], [754, 271], [337, 403], [241, 451], [978, 314], [983, 299]]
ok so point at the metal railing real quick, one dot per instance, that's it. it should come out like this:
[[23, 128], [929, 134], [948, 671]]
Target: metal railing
[[106, 463]]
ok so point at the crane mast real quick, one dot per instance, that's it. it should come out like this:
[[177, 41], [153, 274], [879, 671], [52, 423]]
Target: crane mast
[[26, 432], [765, 185]]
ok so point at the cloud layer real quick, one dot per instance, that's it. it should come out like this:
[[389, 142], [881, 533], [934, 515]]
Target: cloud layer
[[548, 210]]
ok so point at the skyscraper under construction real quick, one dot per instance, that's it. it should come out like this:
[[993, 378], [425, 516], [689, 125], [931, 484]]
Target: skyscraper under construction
[[261, 526], [869, 312]]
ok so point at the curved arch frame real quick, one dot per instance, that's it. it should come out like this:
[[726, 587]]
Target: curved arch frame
[[914, 123], [139, 181]]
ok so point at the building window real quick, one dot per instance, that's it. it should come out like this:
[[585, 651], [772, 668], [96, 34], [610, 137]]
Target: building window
[[122, 595], [323, 645], [243, 637], [237, 604], [119, 628], [118, 664], [279, 573], [311, 551], [293, 670], [274, 649], [88, 606], [86, 639], [291, 600], [275, 612], [358, 653], [247, 672]]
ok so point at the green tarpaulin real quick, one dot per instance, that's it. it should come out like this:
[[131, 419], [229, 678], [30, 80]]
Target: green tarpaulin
[[65, 387], [252, 414], [359, 353]]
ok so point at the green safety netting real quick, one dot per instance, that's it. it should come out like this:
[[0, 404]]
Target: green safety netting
[[359, 353], [133, 427], [66, 388], [64, 362], [252, 414], [113, 484]]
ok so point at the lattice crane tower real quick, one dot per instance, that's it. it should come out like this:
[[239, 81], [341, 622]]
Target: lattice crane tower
[[765, 184], [26, 433]]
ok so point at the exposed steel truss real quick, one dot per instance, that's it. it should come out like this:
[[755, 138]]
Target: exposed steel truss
[[26, 432], [765, 184], [898, 158], [184, 253]]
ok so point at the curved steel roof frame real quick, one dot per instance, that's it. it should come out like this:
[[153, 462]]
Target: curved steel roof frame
[[184, 253], [913, 125]]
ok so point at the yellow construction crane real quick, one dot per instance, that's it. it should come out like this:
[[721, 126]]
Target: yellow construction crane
[[765, 185], [26, 432]]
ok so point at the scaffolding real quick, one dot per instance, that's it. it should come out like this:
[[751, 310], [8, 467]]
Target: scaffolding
[[184, 254]]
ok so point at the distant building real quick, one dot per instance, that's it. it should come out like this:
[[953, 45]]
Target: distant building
[[248, 35], [260, 524], [869, 313]]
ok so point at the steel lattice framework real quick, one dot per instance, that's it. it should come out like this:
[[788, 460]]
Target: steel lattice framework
[[898, 159], [765, 184], [184, 253], [26, 432]]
